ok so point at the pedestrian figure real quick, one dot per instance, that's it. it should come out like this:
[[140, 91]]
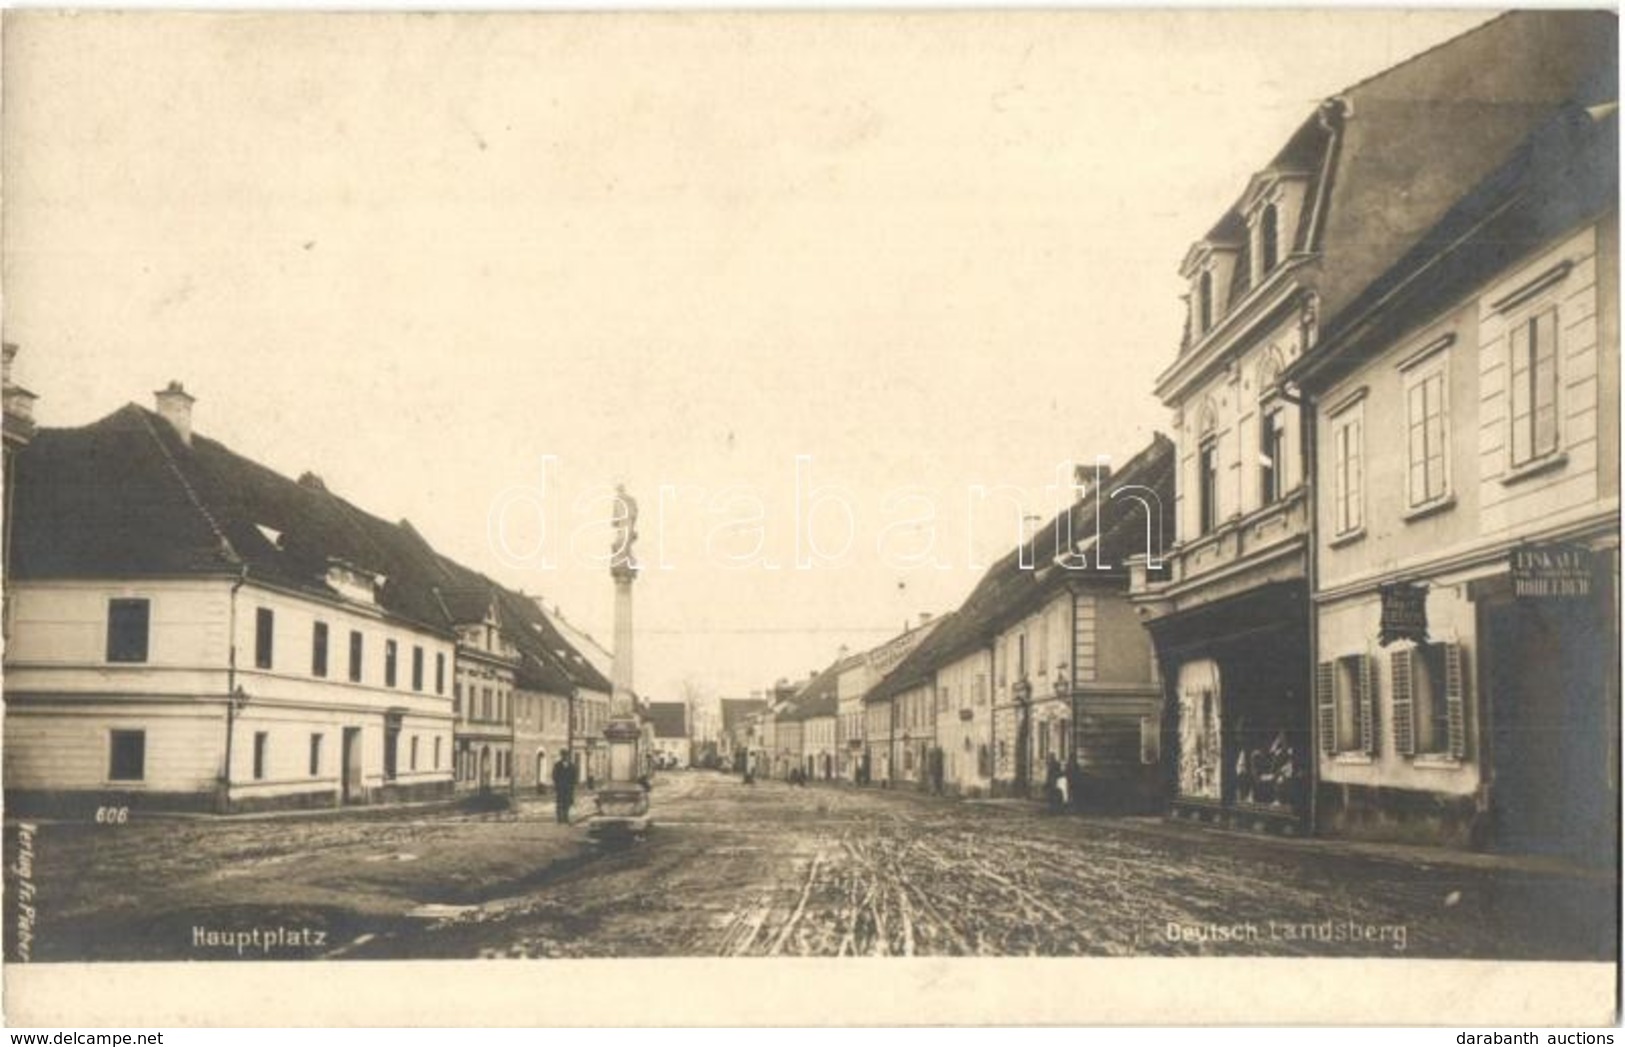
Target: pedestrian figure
[[1074, 783], [1052, 783], [564, 787]]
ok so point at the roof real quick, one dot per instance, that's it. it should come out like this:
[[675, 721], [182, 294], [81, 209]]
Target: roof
[[1009, 590], [1418, 136], [1565, 172], [669, 719], [736, 711], [1389, 156], [126, 497]]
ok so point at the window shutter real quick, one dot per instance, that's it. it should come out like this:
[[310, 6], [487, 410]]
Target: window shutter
[[1325, 690], [1399, 665], [1368, 710], [1454, 701]]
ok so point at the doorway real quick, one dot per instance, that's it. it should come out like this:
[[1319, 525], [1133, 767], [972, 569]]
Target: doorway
[[1545, 664], [350, 766]]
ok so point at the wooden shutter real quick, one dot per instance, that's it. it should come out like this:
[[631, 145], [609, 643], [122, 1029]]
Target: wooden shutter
[[1455, 701], [1368, 707], [1399, 667], [1325, 705]]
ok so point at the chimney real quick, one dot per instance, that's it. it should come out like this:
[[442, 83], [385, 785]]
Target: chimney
[[840, 655], [175, 405], [925, 619]]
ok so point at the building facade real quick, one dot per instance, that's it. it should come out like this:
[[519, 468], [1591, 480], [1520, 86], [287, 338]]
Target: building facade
[[1466, 611], [192, 630]]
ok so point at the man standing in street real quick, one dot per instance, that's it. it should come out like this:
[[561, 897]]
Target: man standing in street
[[564, 787]]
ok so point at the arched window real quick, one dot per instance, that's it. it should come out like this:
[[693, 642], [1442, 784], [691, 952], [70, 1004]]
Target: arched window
[[1269, 235]]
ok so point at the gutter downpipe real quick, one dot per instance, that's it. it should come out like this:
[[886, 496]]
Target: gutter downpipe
[[1306, 419], [232, 696]]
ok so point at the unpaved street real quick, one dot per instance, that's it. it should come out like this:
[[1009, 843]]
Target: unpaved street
[[771, 869]]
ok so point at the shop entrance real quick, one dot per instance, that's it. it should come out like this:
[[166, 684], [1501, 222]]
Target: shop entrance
[[1545, 664]]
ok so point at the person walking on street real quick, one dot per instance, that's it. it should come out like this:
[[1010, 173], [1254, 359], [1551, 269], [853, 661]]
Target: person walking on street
[[564, 787], [1074, 784]]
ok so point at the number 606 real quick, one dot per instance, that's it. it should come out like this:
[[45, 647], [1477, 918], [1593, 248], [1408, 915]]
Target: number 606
[[112, 815]]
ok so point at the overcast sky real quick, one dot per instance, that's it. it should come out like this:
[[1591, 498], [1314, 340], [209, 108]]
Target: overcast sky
[[437, 258]]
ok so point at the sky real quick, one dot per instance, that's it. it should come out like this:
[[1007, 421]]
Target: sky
[[803, 282]]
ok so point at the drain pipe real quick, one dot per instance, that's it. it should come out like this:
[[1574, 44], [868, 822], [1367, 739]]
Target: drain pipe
[[233, 691]]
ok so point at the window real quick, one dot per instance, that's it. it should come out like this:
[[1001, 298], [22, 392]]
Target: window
[[1272, 455], [315, 755], [1204, 301], [1345, 702], [127, 628], [318, 650], [1429, 700], [1269, 238], [1347, 473], [437, 752], [389, 663], [264, 634], [439, 672], [1426, 426], [417, 668], [1207, 480], [1043, 647], [261, 743], [355, 657], [127, 756], [456, 699], [485, 703], [1150, 740], [1021, 656], [1534, 387], [413, 758]]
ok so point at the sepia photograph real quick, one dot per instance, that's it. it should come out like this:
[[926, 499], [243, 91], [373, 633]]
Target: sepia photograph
[[1024, 491]]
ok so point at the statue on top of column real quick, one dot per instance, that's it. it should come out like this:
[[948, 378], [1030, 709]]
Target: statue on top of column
[[626, 531]]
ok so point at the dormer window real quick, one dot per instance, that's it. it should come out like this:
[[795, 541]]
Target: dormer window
[[354, 583], [1269, 239], [1204, 301]]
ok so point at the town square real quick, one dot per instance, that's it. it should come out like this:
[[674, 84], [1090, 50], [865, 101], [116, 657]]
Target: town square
[[843, 486]]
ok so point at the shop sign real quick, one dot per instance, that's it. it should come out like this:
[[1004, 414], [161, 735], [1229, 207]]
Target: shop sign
[[1404, 613], [1551, 571]]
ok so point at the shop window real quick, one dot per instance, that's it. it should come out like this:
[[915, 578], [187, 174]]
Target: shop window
[[127, 756], [1344, 701], [1533, 381], [1427, 426], [1150, 740], [1429, 700], [128, 624]]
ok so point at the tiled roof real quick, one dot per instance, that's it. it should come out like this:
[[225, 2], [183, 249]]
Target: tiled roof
[[670, 719], [736, 711], [126, 497], [1389, 156], [1010, 590], [1565, 172]]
